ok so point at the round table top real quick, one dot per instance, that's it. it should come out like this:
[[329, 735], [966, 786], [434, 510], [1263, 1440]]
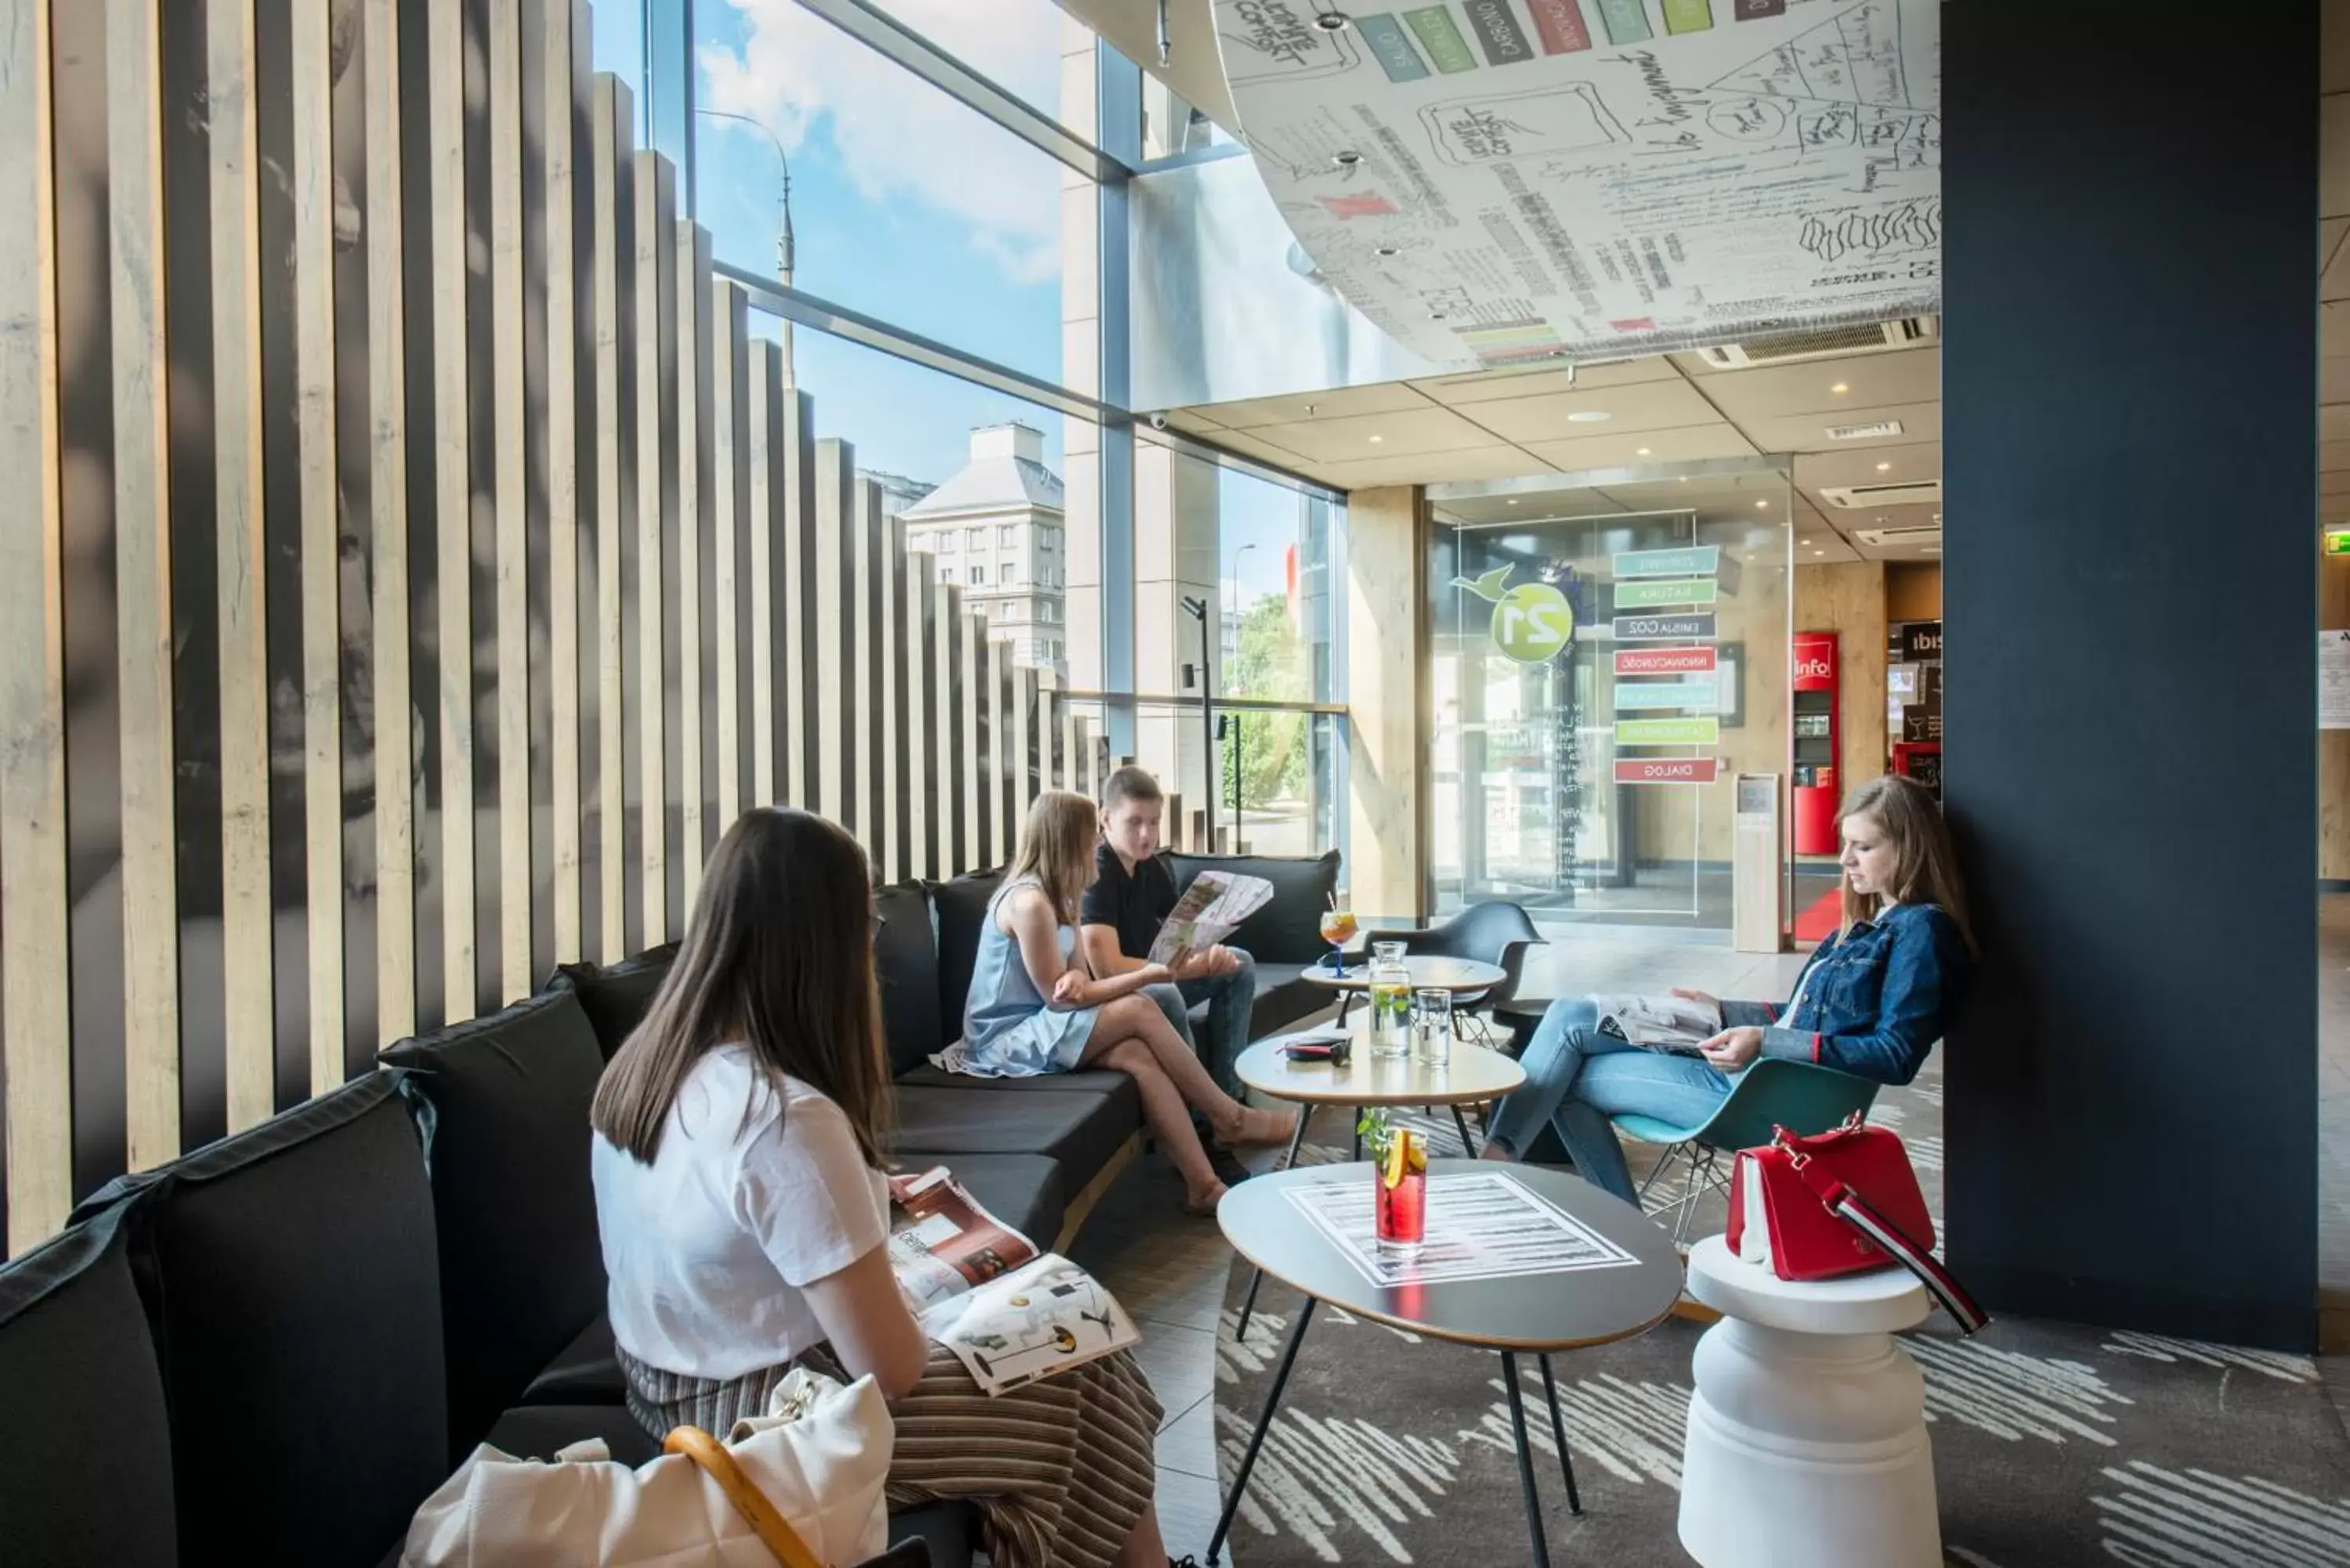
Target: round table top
[[1427, 971], [1474, 1075], [1882, 1300], [1630, 1291]]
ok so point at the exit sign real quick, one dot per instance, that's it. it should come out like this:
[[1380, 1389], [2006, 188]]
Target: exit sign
[[2337, 541]]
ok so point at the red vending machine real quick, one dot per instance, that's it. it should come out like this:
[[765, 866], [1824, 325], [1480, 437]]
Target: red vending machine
[[1815, 796]]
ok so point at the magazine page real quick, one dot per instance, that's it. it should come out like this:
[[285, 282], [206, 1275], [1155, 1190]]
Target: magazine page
[[941, 1242], [1044, 1317], [1210, 910], [1660, 1022]]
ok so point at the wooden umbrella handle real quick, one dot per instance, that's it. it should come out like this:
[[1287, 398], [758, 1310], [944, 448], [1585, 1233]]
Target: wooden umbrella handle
[[767, 1521]]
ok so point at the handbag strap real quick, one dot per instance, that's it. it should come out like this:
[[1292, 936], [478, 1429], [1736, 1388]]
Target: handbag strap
[[1849, 1206], [763, 1517]]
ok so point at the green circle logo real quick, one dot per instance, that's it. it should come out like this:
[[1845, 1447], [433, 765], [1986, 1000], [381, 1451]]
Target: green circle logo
[[1533, 623]]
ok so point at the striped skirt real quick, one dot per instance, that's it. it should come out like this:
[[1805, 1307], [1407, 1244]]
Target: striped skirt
[[1060, 1470]]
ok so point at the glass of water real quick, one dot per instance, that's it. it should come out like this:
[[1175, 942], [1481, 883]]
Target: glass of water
[[1431, 1027]]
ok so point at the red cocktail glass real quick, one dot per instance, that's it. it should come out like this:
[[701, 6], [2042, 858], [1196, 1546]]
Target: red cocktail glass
[[1401, 1210]]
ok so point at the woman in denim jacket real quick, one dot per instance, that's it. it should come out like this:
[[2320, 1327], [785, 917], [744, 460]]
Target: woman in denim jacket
[[1872, 1002]]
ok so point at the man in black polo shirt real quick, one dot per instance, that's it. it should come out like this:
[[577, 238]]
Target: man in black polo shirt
[[1131, 897]]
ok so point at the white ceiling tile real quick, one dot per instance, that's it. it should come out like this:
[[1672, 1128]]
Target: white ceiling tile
[[1490, 385], [1907, 375], [1644, 406], [2332, 456], [2334, 283], [2333, 156], [1191, 419], [1430, 468], [1919, 422], [1631, 448], [1904, 465], [1340, 402], [2333, 423], [1369, 437], [2333, 46]]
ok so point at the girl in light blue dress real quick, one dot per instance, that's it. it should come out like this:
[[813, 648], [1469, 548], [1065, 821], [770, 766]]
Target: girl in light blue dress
[[1035, 1008]]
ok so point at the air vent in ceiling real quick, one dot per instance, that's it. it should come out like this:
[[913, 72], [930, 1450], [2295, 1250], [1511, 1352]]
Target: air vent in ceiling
[[1876, 430], [1927, 534], [1823, 343], [1855, 496]]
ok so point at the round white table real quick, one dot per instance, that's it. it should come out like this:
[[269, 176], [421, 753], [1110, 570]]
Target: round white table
[[1806, 1438]]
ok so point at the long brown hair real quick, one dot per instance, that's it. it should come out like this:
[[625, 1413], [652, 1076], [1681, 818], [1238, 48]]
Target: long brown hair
[[1057, 847], [1926, 867], [778, 956]]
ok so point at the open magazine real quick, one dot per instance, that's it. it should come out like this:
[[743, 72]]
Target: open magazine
[[1210, 910], [1009, 1313], [1670, 1023]]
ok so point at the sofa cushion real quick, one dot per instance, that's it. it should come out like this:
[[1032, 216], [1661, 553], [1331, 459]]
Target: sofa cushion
[[1023, 1191], [292, 1283], [522, 1270], [86, 1450], [906, 969], [959, 908], [1283, 998], [1083, 1081], [616, 996], [1288, 930], [1080, 1131], [585, 1372]]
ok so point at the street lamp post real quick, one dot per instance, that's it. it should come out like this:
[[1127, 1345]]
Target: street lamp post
[[1197, 609], [784, 242]]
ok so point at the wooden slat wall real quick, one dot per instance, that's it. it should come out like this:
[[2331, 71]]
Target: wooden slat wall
[[728, 614]]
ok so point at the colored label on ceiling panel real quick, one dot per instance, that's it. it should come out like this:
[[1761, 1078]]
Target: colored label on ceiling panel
[[1689, 561], [1664, 661], [1702, 695], [1391, 48], [1433, 26], [1688, 15], [1757, 10], [1496, 27], [1641, 593], [1667, 731], [1627, 21], [1559, 25], [1662, 628], [1667, 770]]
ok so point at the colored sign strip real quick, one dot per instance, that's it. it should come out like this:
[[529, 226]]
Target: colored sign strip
[[1702, 695], [1627, 21], [1667, 731], [1497, 26], [1432, 25], [1691, 561], [1688, 15], [1664, 661], [1757, 10], [1662, 628], [1644, 593], [1667, 770], [1559, 25], [1391, 46]]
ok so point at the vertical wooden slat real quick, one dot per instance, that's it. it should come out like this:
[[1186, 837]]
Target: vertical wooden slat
[[1005, 803], [142, 581], [763, 427], [35, 1025], [612, 112], [862, 711], [247, 966], [895, 784], [730, 316], [311, 56], [969, 700], [558, 93], [834, 600], [692, 398], [452, 502], [918, 713], [511, 527], [395, 762], [1073, 775], [958, 817], [800, 618], [651, 189], [1026, 782], [945, 732]]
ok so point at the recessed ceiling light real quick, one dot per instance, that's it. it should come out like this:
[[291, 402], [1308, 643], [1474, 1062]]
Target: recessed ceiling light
[[1331, 21], [1642, 452], [1761, 505], [1513, 501], [1819, 552], [1436, 315], [1311, 409], [1803, 541], [1385, 251], [1684, 479], [1589, 416], [1839, 388], [1884, 468], [1375, 439], [1345, 160]]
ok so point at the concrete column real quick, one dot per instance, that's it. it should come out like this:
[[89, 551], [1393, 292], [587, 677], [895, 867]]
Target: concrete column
[[1387, 711]]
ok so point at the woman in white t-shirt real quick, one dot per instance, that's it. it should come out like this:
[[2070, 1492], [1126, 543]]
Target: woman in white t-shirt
[[738, 1191]]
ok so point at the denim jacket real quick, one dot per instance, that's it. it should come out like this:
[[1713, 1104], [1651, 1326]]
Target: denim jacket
[[1875, 999]]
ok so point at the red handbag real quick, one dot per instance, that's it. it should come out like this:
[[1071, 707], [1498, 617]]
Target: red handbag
[[1836, 1203]]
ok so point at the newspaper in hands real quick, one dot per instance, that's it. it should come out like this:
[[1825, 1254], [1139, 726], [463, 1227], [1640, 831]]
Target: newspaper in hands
[[1673, 1024], [1210, 910]]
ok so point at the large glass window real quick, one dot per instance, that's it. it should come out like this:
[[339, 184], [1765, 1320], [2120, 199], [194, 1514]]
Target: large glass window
[[1031, 48], [906, 205]]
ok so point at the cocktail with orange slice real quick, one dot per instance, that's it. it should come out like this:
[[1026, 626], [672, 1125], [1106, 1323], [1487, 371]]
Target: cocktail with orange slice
[[1401, 1195], [1338, 929]]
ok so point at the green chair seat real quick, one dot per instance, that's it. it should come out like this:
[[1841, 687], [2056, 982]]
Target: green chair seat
[[1773, 1092]]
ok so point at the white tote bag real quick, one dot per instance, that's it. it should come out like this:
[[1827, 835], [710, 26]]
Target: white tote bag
[[819, 1458]]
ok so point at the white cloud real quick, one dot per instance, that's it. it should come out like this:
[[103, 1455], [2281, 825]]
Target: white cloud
[[898, 137]]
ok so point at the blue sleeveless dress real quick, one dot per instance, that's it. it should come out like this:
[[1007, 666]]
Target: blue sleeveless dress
[[1010, 1030]]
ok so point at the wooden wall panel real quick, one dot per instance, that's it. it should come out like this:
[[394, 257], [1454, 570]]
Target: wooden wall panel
[[890, 657], [690, 535], [917, 660], [452, 500], [562, 43], [970, 698], [511, 524], [771, 760], [861, 712], [609, 155], [654, 195], [729, 322], [830, 607], [798, 622]]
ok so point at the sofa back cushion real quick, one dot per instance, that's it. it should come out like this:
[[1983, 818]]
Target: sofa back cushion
[[522, 1271], [86, 1450], [616, 996], [291, 1283], [1288, 930], [906, 967], [961, 908]]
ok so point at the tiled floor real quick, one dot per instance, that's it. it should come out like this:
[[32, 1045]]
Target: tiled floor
[[1170, 1271]]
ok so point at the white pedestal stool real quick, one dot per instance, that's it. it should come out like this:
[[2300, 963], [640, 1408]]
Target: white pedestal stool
[[1807, 1445]]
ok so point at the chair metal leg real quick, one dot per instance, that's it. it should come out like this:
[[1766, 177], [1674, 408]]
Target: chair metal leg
[[1468, 1147], [1264, 1422], [1525, 1461], [1558, 1434], [1289, 1162], [1672, 1152]]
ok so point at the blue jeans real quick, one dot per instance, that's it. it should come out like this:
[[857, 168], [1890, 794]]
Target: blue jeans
[[1576, 1077], [1230, 999]]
